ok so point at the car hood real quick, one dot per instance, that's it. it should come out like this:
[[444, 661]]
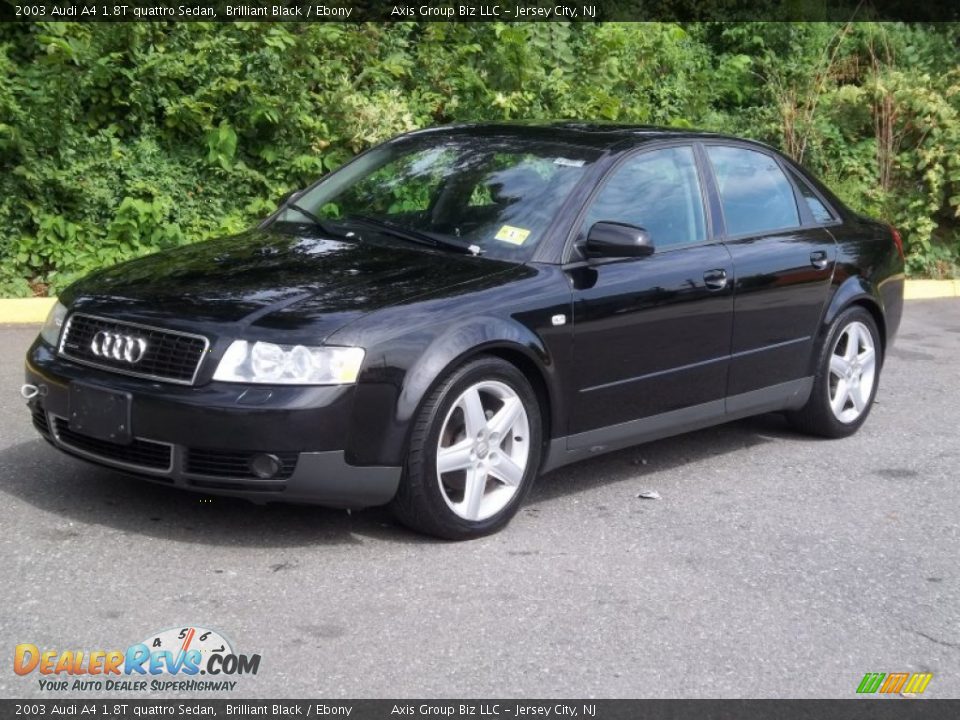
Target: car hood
[[275, 280]]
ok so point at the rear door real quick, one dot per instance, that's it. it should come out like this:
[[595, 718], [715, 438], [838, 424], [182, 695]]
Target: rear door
[[651, 334], [783, 258]]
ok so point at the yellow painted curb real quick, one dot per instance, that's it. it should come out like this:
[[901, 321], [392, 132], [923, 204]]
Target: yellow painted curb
[[25, 310], [928, 289], [34, 310]]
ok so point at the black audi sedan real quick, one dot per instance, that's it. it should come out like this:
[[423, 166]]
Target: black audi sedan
[[460, 309]]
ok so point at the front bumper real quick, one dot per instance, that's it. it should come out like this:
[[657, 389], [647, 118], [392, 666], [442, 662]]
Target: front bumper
[[203, 438]]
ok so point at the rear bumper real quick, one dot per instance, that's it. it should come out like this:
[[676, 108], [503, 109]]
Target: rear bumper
[[204, 438], [891, 295]]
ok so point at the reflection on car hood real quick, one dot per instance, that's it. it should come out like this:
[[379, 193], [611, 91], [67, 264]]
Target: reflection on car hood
[[274, 278]]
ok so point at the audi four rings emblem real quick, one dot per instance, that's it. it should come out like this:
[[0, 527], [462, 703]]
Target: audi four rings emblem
[[118, 347]]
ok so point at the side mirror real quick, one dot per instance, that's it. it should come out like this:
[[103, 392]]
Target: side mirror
[[613, 240]]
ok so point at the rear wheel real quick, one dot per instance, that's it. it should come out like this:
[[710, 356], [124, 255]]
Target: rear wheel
[[848, 371], [474, 452]]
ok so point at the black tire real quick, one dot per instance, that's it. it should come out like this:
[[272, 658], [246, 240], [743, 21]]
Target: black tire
[[816, 417], [419, 503]]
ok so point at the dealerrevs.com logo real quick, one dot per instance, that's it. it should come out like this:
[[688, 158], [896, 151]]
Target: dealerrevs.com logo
[[180, 659]]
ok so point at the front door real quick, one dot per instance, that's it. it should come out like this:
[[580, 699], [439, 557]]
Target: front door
[[651, 335]]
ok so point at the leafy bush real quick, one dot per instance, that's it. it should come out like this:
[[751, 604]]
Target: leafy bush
[[118, 140]]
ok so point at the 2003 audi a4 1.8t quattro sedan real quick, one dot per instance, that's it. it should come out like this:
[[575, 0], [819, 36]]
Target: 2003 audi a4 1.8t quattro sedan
[[460, 309]]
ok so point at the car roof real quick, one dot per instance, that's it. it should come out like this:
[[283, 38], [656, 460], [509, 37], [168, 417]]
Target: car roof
[[598, 135]]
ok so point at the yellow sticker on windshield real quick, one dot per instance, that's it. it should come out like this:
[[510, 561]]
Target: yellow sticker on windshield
[[512, 235]]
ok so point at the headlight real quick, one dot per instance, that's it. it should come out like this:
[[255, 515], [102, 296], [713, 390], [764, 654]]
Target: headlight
[[262, 362], [50, 332]]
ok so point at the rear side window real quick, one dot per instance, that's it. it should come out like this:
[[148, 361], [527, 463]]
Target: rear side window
[[819, 211], [755, 194], [657, 190]]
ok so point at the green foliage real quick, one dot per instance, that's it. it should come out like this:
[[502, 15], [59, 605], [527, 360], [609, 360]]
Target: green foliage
[[222, 145], [872, 108], [118, 140]]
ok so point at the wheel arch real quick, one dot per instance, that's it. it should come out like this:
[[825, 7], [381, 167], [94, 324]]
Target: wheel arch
[[855, 291], [535, 376], [874, 309], [510, 341], [420, 495]]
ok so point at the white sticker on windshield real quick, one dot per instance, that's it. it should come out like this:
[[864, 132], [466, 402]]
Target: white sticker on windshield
[[567, 162], [512, 235]]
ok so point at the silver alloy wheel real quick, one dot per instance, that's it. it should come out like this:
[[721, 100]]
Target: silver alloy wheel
[[483, 450], [853, 365]]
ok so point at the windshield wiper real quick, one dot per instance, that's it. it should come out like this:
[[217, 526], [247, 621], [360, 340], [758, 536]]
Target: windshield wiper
[[317, 220], [416, 236]]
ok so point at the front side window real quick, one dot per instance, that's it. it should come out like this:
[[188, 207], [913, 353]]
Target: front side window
[[657, 190], [755, 194], [499, 194]]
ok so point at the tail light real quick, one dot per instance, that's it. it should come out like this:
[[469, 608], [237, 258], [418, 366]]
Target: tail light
[[897, 240]]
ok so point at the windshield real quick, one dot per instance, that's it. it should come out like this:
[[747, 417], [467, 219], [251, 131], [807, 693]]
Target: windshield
[[498, 194]]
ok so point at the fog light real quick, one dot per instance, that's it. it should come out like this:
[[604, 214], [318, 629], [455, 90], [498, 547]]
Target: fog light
[[265, 465]]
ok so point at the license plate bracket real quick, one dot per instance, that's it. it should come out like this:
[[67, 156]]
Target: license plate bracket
[[100, 414]]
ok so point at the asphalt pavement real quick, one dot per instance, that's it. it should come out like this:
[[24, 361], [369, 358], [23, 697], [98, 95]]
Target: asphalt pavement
[[773, 564]]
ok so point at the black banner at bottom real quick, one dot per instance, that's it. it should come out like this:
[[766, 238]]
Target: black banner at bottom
[[854, 709]]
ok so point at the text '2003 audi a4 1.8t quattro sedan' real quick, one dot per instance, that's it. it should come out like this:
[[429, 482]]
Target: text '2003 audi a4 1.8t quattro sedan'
[[460, 309]]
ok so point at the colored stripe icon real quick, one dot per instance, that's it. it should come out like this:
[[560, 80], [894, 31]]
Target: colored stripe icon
[[894, 683]]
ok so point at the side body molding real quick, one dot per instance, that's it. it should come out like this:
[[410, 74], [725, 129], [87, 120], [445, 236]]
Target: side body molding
[[784, 396]]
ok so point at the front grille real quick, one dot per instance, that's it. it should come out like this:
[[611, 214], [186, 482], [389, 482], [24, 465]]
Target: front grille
[[140, 453], [169, 355], [40, 421], [231, 464]]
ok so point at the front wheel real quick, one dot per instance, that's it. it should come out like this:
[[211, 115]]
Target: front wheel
[[474, 452], [848, 372]]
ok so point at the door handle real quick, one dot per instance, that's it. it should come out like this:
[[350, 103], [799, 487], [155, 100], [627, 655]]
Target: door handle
[[715, 279], [818, 258]]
